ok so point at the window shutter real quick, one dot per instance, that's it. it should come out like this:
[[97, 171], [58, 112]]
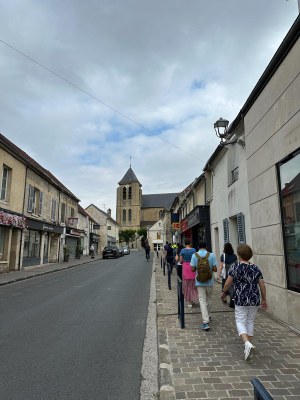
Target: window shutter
[[241, 228], [40, 203], [226, 230], [30, 198]]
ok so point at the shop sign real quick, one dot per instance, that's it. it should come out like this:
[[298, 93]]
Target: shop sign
[[12, 220], [74, 232], [193, 219], [184, 225], [175, 225]]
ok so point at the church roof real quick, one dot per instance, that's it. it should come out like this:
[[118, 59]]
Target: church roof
[[129, 177], [163, 200]]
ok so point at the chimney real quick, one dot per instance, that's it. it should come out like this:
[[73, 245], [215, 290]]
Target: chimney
[[109, 212]]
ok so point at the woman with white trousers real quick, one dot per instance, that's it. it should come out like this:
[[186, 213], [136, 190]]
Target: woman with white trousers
[[247, 279]]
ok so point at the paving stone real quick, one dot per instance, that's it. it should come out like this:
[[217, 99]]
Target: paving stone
[[211, 365]]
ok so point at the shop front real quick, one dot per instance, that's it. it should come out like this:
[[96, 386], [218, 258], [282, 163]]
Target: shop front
[[11, 226], [72, 242], [95, 240], [196, 227], [40, 243]]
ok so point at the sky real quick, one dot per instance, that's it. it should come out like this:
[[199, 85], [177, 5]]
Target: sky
[[87, 85]]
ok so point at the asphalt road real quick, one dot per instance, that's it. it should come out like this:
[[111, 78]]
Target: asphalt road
[[76, 334]]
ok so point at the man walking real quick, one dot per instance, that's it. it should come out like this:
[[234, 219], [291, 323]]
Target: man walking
[[205, 285]]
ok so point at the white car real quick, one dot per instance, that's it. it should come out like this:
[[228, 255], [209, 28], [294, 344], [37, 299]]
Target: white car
[[126, 250]]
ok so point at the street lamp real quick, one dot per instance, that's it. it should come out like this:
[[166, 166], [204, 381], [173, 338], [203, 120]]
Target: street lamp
[[221, 129], [222, 133]]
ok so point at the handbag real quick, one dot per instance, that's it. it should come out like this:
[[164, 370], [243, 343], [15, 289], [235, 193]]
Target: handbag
[[223, 273]]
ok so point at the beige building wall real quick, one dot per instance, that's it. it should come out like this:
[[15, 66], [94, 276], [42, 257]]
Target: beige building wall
[[151, 214], [16, 184], [272, 129]]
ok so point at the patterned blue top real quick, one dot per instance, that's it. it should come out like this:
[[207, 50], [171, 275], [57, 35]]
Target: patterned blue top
[[187, 253], [245, 280]]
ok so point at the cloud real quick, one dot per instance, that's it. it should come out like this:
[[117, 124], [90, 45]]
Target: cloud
[[171, 67]]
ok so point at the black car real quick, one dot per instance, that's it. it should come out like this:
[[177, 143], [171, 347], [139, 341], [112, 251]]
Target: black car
[[111, 251]]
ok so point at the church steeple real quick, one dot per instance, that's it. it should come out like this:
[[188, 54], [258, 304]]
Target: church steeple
[[129, 178], [129, 199]]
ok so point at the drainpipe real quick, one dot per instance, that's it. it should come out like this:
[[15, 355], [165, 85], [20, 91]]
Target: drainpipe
[[20, 261]]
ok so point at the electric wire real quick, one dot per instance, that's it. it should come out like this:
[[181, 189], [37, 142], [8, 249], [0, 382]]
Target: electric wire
[[96, 98]]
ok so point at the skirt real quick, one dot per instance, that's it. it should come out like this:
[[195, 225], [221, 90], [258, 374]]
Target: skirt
[[189, 290]]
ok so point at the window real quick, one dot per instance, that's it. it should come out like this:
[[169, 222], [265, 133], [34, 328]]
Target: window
[[5, 183], [129, 193], [124, 193], [72, 212], [289, 182], [31, 244], [53, 210], [35, 200], [233, 162], [109, 228], [63, 213], [124, 216], [129, 215]]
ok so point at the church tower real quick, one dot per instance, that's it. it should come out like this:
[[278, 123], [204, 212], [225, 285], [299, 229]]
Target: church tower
[[129, 201]]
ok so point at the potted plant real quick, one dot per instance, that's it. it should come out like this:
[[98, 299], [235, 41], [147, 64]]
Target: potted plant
[[66, 253], [79, 251]]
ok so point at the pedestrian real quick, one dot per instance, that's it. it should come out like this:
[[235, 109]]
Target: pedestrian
[[170, 257], [247, 279], [177, 260], [189, 289], [92, 251], [205, 289], [226, 260], [147, 251]]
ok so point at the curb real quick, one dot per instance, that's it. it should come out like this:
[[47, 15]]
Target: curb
[[40, 273]]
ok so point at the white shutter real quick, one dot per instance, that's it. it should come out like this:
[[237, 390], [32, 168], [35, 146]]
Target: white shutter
[[226, 230], [241, 228]]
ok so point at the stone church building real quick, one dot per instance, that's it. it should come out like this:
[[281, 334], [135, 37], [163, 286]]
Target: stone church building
[[136, 210]]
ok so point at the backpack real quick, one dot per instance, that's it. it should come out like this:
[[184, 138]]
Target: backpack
[[170, 252], [204, 273]]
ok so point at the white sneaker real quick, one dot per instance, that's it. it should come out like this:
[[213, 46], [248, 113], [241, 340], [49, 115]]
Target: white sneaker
[[248, 350], [190, 305]]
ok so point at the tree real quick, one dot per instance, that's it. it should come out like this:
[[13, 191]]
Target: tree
[[142, 232], [128, 235]]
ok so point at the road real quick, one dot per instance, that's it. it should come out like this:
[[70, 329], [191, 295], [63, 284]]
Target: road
[[76, 334]]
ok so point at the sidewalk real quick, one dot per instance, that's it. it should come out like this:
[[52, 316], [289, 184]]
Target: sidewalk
[[210, 365], [30, 272]]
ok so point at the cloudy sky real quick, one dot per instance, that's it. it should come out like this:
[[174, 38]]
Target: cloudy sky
[[85, 85]]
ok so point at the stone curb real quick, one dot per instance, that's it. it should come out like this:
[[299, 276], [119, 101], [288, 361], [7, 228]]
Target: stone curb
[[40, 273]]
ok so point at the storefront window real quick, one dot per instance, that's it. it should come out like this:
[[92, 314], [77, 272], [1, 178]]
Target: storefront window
[[31, 244], [289, 173]]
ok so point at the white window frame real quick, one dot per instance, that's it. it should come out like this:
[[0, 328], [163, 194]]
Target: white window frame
[[6, 176]]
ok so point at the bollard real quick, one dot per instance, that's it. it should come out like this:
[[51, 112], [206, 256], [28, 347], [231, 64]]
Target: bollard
[[169, 266], [260, 392], [180, 302]]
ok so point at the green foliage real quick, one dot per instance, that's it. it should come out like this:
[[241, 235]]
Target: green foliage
[[128, 235], [142, 232]]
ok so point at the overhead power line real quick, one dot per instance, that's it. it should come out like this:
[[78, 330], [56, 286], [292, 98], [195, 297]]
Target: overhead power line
[[95, 98]]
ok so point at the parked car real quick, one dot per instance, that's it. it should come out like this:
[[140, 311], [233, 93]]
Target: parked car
[[111, 251], [121, 251], [126, 250]]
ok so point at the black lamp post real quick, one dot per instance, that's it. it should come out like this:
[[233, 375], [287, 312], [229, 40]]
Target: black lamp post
[[221, 129]]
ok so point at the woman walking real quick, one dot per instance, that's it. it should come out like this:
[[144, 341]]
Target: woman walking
[[226, 260], [247, 279], [189, 289]]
